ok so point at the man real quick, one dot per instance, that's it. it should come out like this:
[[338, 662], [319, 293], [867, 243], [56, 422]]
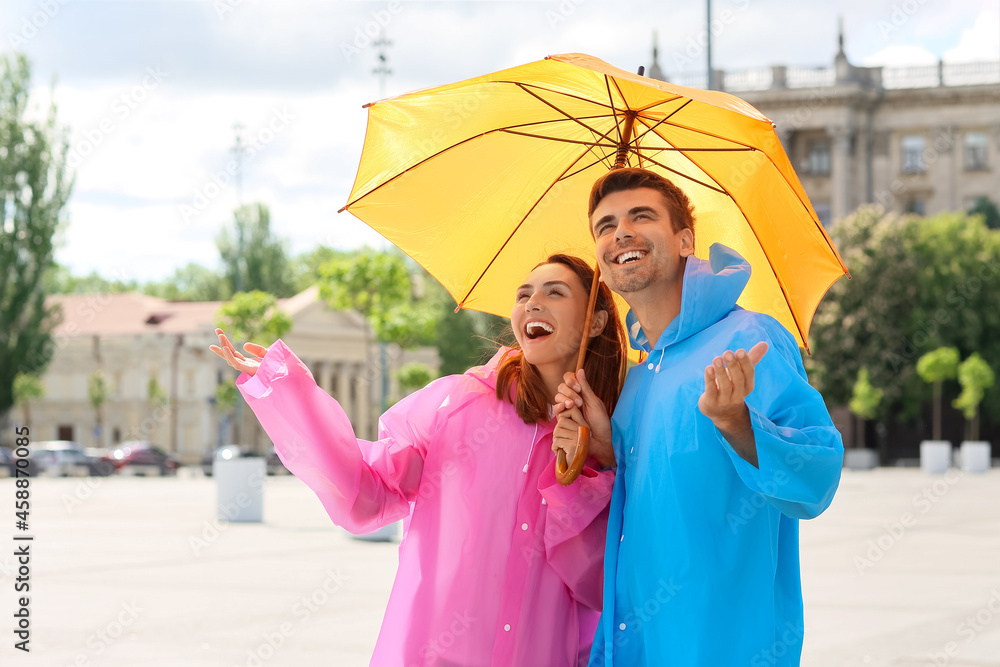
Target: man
[[719, 451]]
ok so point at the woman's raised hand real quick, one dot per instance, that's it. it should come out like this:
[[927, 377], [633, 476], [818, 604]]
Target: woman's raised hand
[[567, 431], [226, 350]]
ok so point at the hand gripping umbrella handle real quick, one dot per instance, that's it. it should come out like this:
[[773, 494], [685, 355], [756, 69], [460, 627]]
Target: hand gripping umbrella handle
[[566, 474]]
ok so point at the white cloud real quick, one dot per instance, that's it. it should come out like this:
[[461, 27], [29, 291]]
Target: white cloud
[[899, 55], [980, 42]]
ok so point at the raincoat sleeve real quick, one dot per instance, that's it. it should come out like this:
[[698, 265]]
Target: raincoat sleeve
[[363, 485], [800, 452], [576, 528]]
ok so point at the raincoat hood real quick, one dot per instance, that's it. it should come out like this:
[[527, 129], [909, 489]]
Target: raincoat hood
[[709, 292]]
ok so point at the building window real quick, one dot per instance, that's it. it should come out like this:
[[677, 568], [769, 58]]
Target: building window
[[189, 382], [823, 212], [913, 154], [64, 432], [819, 158], [116, 384], [116, 435], [976, 147], [916, 207]]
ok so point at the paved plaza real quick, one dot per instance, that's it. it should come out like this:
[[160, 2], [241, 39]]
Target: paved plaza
[[903, 571]]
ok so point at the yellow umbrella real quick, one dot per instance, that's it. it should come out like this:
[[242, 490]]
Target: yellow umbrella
[[479, 181]]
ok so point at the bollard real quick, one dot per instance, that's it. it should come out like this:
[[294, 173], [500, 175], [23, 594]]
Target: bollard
[[240, 489]]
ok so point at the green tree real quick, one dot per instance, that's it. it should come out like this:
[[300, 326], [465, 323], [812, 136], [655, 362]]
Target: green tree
[[27, 387], [413, 376], [865, 400], [985, 207], [251, 317], [252, 257], [34, 188], [191, 283], [59, 280], [975, 376], [934, 368], [917, 284], [306, 267], [155, 394], [97, 393]]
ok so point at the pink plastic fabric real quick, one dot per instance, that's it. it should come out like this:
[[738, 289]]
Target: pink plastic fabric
[[499, 564]]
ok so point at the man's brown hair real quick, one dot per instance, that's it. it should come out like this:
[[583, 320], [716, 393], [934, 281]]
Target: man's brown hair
[[631, 178]]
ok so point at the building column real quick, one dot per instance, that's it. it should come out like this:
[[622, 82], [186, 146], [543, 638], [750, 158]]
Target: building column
[[344, 390], [324, 369], [943, 145], [840, 175], [364, 409]]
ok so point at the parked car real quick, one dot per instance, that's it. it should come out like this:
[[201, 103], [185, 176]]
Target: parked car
[[228, 452], [8, 465], [62, 458], [103, 461], [223, 453], [143, 458]]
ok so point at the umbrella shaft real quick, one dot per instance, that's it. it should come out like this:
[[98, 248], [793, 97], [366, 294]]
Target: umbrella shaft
[[622, 155]]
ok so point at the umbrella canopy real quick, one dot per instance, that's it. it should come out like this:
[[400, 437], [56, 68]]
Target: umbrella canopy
[[480, 180]]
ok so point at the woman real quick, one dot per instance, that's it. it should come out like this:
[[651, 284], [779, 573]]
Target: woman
[[499, 564]]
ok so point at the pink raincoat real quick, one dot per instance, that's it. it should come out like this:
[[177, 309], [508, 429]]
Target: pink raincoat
[[499, 564]]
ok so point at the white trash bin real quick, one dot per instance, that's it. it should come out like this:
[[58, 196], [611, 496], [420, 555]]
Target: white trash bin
[[240, 489], [975, 456], [935, 456]]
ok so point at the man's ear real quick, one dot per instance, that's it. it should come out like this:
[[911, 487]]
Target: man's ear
[[686, 242], [599, 322]]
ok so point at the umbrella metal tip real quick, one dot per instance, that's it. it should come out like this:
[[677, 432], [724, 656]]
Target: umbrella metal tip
[[642, 70]]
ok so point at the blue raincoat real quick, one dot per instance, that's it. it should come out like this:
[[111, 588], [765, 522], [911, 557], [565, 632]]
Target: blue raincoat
[[702, 560]]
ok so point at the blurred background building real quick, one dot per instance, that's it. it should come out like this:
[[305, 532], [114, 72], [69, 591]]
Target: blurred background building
[[162, 380], [918, 139]]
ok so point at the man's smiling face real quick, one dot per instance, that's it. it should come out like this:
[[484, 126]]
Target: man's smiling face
[[636, 244]]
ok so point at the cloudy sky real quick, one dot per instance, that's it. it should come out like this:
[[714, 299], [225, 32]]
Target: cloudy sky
[[151, 89]]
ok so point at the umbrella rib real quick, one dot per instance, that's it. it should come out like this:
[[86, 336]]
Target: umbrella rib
[[614, 109], [517, 227], [568, 117], [523, 85], [767, 256], [662, 120], [656, 104], [601, 159], [568, 141], [690, 178], [455, 145], [618, 88], [703, 170]]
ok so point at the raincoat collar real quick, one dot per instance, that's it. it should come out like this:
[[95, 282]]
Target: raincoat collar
[[710, 290]]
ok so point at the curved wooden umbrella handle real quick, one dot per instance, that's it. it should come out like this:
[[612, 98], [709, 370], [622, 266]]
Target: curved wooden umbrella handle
[[566, 474]]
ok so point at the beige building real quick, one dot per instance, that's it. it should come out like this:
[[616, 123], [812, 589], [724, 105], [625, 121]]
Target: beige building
[[134, 338], [921, 139]]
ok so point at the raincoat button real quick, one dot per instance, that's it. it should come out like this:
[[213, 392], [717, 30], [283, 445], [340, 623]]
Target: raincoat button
[[506, 628], [650, 366], [524, 526], [621, 627], [543, 501]]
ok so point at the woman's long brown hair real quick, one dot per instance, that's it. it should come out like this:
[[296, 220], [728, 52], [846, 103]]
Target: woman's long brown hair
[[520, 383]]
